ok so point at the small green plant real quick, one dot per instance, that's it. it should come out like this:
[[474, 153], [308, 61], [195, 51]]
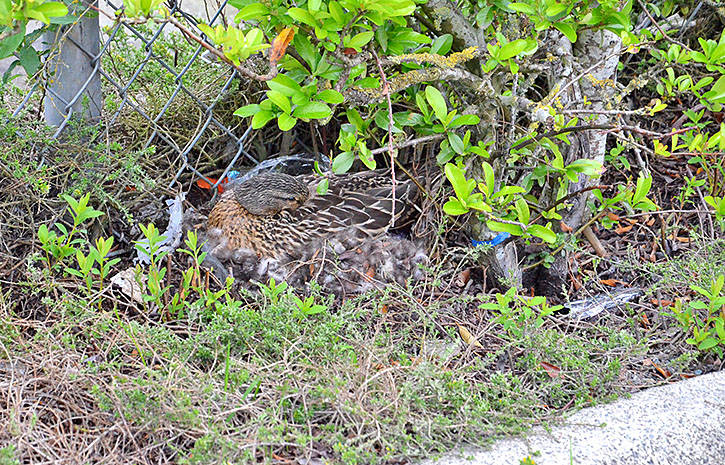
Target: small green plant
[[194, 250], [718, 203], [704, 317], [8, 455], [307, 307], [57, 247], [516, 219], [518, 314], [96, 256], [154, 286], [272, 291]]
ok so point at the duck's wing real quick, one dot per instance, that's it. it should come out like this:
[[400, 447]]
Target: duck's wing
[[364, 205]]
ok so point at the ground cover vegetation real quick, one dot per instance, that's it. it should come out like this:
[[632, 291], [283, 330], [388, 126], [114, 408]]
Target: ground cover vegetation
[[590, 133]]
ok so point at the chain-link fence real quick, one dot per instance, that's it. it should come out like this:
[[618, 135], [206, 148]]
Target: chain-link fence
[[98, 65]]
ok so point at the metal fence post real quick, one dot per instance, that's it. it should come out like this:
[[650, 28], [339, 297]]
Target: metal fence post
[[74, 82]]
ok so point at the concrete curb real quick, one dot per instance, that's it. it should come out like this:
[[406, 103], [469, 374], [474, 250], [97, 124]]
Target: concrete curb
[[681, 423]]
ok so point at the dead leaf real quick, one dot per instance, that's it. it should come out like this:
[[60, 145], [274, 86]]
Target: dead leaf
[[280, 43], [467, 337], [611, 282], [126, 281], [623, 229], [612, 216], [552, 370], [463, 278], [565, 227], [645, 320], [664, 373], [370, 273]]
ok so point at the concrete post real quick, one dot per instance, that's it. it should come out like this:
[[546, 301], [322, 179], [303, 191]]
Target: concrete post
[[74, 82]]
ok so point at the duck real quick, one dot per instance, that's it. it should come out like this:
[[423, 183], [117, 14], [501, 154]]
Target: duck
[[276, 226], [275, 215]]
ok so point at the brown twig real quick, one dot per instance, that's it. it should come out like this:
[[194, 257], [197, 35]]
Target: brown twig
[[575, 233], [664, 34], [242, 70], [386, 91], [409, 143], [593, 127]]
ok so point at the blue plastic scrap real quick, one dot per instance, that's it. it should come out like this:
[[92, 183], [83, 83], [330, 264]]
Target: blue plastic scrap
[[500, 237]]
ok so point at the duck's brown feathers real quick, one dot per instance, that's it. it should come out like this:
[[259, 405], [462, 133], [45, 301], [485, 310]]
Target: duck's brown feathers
[[357, 204]]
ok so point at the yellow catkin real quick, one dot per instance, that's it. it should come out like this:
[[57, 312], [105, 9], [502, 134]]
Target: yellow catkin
[[410, 78]]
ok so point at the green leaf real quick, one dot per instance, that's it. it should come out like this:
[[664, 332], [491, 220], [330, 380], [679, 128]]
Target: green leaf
[[307, 51], [29, 60], [9, 44], [587, 166], [445, 154], [381, 35], [457, 178], [261, 118], [52, 9], [720, 329], [522, 210], [330, 96], [247, 110], [286, 85], [512, 229], [281, 100], [252, 11], [43, 233], [512, 49], [716, 93], [61, 20], [643, 186], [442, 45], [360, 40], [365, 155], [286, 122], [312, 110], [568, 30], [369, 82], [354, 117], [456, 143], [303, 16], [437, 102], [717, 285], [343, 162], [708, 343], [555, 9], [545, 234], [454, 207], [323, 186], [337, 13], [524, 8], [488, 176], [464, 120]]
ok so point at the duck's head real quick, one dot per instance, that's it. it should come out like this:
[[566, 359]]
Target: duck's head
[[270, 193]]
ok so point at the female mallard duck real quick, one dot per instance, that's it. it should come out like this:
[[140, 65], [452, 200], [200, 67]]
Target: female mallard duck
[[276, 215]]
